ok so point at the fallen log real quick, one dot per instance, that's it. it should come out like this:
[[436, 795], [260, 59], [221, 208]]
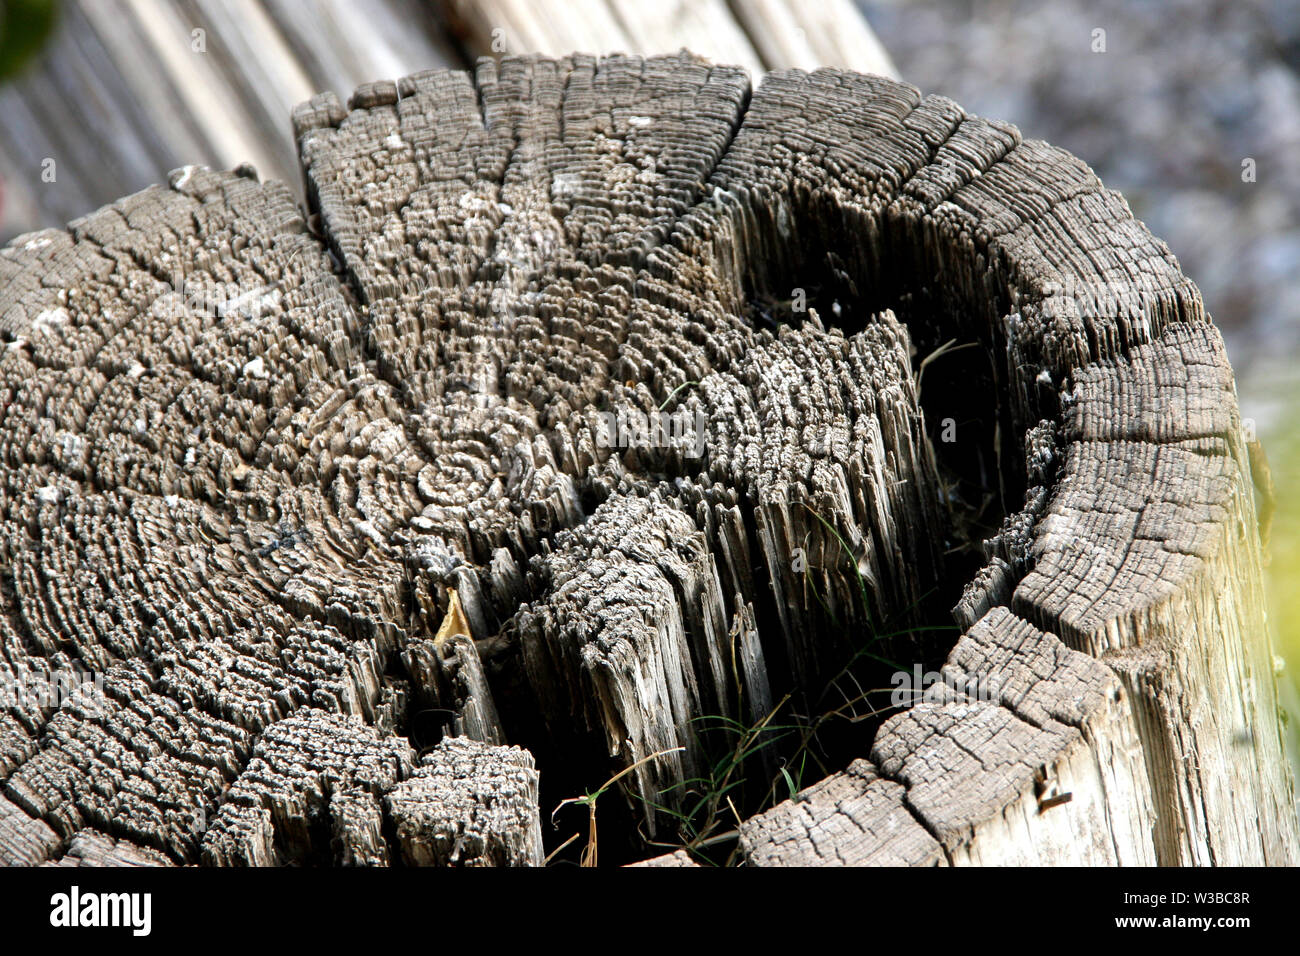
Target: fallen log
[[611, 410]]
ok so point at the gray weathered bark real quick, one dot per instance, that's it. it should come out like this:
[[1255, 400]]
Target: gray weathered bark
[[436, 399]]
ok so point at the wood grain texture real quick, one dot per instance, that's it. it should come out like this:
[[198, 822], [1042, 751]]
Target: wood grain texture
[[469, 804], [529, 362]]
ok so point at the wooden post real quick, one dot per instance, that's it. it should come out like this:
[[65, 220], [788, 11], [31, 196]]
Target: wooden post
[[594, 402]]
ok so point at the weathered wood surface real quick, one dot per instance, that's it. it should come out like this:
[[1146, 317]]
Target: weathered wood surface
[[469, 803], [252, 461], [137, 92]]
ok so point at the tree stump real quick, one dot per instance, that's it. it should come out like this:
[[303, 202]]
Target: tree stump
[[604, 409]]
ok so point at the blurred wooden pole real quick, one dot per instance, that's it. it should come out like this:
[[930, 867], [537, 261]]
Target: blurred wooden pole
[[759, 35]]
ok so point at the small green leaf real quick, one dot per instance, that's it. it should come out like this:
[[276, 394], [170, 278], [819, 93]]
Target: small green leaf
[[25, 25], [789, 783]]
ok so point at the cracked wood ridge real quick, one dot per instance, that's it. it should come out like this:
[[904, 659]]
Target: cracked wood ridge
[[286, 485]]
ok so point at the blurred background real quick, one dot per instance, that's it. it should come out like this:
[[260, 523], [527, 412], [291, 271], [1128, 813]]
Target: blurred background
[[1191, 108]]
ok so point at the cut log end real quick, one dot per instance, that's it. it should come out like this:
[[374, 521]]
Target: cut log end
[[611, 419]]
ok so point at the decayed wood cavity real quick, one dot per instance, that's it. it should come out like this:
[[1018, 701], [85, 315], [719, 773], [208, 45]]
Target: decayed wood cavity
[[534, 350]]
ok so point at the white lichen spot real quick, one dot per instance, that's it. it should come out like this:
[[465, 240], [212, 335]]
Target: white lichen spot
[[499, 301], [255, 368], [49, 494], [73, 445], [135, 371], [184, 177], [39, 243], [191, 455], [393, 141], [783, 224], [639, 121], [171, 501], [51, 321], [1044, 378], [565, 184]]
